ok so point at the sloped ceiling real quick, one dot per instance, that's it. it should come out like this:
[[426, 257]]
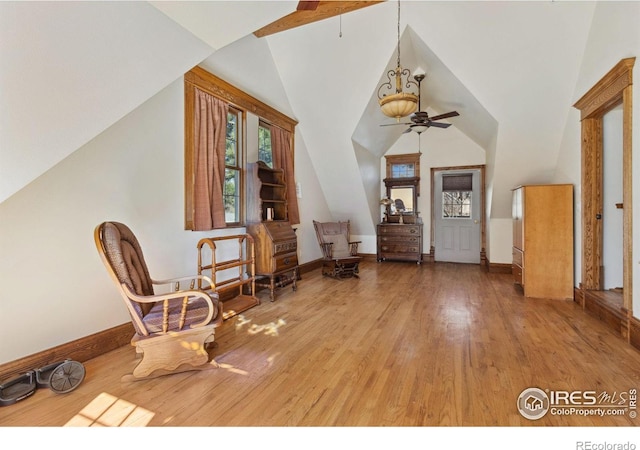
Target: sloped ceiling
[[72, 69], [509, 66]]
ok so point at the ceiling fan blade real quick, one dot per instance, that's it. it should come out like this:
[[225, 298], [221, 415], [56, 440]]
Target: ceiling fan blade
[[392, 124], [439, 125], [445, 115], [312, 11], [307, 5]]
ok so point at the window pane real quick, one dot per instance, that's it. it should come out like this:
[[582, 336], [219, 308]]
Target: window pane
[[456, 204], [232, 195], [231, 154], [402, 170], [232, 170], [264, 145]]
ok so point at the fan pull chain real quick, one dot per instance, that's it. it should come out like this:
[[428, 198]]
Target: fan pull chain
[[340, 35]]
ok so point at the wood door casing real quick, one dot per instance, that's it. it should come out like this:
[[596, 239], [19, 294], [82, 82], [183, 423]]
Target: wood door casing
[[614, 88]]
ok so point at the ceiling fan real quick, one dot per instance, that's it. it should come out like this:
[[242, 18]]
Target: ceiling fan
[[420, 120]]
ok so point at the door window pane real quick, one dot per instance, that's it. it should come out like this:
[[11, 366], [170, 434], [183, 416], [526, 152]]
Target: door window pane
[[456, 204]]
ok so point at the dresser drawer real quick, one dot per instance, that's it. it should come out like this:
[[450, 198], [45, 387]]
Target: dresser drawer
[[285, 262], [402, 230], [400, 239], [399, 248]]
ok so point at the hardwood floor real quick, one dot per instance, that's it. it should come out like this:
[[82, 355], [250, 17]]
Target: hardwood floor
[[405, 345]]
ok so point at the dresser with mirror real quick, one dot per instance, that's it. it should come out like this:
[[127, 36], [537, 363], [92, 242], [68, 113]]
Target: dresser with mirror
[[399, 234]]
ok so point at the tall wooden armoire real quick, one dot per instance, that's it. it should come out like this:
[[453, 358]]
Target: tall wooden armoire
[[543, 240], [276, 245]]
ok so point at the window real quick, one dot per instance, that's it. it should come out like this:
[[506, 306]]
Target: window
[[403, 166], [264, 144], [456, 204], [221, 199], [233, 168], [403, 170], [456, 195]]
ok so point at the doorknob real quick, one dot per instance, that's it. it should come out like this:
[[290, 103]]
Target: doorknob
[[475, 221]]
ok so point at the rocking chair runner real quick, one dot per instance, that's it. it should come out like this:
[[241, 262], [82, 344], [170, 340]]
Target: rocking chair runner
[[340, 255], [171, 329]]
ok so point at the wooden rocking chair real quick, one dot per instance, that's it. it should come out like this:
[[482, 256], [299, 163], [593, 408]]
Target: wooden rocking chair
[[171, 329], [340, 255]]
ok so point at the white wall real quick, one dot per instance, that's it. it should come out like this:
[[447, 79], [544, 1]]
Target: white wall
[[55, 288]]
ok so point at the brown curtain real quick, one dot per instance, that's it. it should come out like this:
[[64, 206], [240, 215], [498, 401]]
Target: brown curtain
[[210, 127], [283, 159]]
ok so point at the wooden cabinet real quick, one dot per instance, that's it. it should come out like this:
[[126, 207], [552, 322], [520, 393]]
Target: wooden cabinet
[[399, 241], [275, 240], [543, 240]]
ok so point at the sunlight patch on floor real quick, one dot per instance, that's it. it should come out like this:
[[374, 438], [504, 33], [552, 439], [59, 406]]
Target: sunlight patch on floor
[[109, 411], [270, 329]]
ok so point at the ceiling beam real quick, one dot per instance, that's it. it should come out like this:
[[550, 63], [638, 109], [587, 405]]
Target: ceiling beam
[[307, 5], [304, 15]]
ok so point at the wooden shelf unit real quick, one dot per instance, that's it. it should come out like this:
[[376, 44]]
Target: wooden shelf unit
[[243, 281], [266, 189]]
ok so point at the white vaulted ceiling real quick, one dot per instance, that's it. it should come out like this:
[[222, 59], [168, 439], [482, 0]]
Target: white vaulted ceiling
[[71, 70]]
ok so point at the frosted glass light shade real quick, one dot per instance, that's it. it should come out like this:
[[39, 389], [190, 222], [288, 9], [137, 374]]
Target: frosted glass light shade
[[419, 128], [398, 105]]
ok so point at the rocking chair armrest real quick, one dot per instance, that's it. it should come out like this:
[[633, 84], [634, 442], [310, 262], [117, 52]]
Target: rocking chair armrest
[[180, 295]]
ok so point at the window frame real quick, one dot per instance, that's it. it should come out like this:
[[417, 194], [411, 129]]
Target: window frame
[[404, 159], [236, 98]]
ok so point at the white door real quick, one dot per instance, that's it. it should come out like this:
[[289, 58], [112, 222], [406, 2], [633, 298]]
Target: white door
[[457, 215]]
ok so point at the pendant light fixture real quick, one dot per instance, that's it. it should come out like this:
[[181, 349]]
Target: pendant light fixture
[[399, 103]]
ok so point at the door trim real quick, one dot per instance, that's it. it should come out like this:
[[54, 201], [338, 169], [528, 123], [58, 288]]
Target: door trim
[[432, 239], [614, 88]]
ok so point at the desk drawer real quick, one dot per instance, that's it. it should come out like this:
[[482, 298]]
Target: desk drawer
[[285, 247], [285, 262]]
